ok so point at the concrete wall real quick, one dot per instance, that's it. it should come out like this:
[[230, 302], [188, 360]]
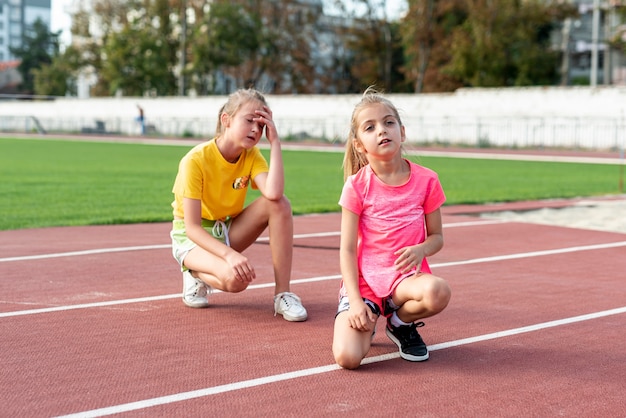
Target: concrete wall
[[550, 116]]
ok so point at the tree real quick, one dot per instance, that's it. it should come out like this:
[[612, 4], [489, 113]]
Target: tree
[[507, 43], [57, 78], [131, 48], [289, 38], [227, 36], [261, 43], [137, 63], [617, 40], [426, 36], [139, 58], [373, 52], [39, 47], [50, 79]]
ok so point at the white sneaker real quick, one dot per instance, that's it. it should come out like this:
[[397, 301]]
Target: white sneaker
[[290, 307], [195, 291]]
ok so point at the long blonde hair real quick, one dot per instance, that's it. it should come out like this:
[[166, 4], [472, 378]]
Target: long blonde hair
[[353, 160], [234, 103]]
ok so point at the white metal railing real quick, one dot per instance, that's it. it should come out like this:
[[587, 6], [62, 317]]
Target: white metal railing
[[522, 132]]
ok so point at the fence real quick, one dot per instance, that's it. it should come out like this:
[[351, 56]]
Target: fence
[[521, 132]]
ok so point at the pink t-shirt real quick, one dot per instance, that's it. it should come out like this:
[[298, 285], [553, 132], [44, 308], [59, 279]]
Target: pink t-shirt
[[390, 218]]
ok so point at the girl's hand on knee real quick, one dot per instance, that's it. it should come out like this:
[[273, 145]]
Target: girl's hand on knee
[[409, 258], [241, 267], [361, 318]]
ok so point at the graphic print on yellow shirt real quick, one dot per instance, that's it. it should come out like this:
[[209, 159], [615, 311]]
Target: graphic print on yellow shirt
[[241, 182]]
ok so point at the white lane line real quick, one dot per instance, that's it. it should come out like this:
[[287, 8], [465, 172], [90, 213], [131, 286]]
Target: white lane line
[[144, 299], [533, 254], [476, 223], [163, 246], [320, 278], [135, 248], [85, 252], [184, 396]]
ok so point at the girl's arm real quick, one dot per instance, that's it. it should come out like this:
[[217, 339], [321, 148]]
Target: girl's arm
[[359, 315], [271, 184], [411, 257]]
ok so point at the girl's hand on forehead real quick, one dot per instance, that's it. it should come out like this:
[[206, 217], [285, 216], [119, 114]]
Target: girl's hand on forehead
[[265, 117]]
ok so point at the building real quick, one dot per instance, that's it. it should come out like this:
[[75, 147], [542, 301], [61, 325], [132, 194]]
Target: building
[[10, 78], [16, 16], [588, 58]]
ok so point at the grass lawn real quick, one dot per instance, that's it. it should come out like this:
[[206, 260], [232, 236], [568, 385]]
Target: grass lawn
[[57, 183]]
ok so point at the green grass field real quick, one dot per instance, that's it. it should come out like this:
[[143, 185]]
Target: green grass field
[[59, 183]]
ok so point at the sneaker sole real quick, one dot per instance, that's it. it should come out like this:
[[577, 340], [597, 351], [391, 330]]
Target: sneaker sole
[[197, 305], [294, 318], [406, 356]]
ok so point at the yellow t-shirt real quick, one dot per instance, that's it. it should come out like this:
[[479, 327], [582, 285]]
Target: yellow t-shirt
[[221, 186]]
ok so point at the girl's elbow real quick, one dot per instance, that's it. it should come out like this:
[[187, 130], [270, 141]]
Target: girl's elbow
[[273, 196]]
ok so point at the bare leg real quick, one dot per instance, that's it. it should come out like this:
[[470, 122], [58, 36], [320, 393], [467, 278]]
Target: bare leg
[[255, 218], [350, 346], [421, 296]]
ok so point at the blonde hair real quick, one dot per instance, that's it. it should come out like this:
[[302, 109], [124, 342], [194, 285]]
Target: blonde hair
[[234, 103], [354, 160]]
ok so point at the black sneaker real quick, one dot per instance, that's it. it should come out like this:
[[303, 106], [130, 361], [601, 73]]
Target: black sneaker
[[408, 340]]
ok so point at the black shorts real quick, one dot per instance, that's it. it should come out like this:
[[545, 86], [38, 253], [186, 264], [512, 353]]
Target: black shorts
[[344, 305]]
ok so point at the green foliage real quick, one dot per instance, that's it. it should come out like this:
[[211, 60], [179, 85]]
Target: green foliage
[[227, 36], [426, 38], [161, 47], [39, 46], [55, 183], [50, 79], [618, 40], [506, 43], [138, 61]]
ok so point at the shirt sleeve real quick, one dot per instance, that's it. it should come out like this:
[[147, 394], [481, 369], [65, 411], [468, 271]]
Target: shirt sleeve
[[435, 197], [350, 199], [189, 180]]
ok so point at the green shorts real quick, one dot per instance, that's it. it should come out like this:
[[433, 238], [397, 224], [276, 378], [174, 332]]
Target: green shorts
[[181, 244]]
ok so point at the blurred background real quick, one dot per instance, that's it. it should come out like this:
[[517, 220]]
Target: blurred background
[[515, 73]]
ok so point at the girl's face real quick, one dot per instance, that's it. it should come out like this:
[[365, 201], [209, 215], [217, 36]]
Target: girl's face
[[242, 127], [378, 132]]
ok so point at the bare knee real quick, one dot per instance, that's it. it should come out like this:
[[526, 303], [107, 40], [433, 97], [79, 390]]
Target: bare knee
[[226, 284], [235, 286], [437, 295], [347, 359], [281, 207], [274, 211], [427, 296]]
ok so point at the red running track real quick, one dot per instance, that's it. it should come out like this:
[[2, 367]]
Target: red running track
[[92, 324]]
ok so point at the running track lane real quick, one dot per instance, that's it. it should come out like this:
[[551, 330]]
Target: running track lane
[[531, 329]]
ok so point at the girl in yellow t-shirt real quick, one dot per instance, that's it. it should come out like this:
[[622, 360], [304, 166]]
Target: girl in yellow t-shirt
[[212, 227]]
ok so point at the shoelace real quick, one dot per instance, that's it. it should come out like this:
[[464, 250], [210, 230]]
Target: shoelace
[[414, 336], [220, 230], [289, 299], [201, 289]]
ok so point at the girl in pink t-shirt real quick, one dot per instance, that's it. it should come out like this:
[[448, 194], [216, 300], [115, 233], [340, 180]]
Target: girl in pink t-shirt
[[390, 223]]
